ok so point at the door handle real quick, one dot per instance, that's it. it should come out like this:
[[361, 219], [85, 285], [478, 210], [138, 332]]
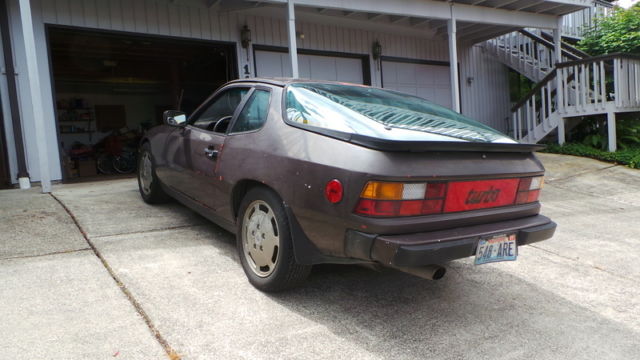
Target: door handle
[[211, 153]]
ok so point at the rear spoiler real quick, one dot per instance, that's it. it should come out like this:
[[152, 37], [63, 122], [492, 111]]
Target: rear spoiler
[[422, 146], [425, 146]]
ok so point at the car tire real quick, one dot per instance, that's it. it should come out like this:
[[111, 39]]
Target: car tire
[[265, 244], [148, 182]]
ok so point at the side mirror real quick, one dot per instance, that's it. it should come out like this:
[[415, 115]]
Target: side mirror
[[174, 118]]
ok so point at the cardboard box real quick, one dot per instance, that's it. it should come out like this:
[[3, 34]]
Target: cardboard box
[[87, 167]]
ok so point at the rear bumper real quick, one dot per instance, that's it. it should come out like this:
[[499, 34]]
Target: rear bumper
[[438, 247]]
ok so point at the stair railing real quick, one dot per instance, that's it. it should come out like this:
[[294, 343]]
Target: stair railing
[[578, 88], [529, 53]]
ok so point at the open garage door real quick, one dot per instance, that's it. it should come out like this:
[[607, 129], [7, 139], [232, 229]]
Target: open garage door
[[430, 81], [110, 87], [347, 68]]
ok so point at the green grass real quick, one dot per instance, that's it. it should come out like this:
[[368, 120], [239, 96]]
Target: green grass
[[629, 156]]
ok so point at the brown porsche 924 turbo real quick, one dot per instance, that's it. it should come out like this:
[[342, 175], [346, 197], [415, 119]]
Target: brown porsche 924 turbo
[[308, 172]]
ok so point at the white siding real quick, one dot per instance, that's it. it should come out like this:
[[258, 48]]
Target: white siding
[[163, 17], [486, 98]]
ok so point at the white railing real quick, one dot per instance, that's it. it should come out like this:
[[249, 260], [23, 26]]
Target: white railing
[[576, 23], [526, 52], [627, 82], [586, 87], [536, 110], [520, 52]]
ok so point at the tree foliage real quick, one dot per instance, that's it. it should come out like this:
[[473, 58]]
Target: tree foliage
[[618, 32]]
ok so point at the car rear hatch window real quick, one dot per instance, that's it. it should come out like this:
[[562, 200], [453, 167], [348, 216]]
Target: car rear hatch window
[[381, 114]]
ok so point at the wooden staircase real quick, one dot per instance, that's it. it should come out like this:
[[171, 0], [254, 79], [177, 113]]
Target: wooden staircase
[[593, 86], [578, 86]]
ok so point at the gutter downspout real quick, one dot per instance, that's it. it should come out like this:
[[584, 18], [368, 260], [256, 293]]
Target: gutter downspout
[[23, 174]]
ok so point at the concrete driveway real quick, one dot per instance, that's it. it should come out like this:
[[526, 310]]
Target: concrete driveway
[[93, 272]]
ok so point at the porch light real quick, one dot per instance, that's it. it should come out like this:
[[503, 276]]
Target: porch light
[[245, 37], [376, 51]]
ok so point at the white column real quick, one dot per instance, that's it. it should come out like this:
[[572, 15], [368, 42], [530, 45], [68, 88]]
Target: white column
[[561, 131], [453, 59], [557, 41], [293, 47], [35, 98], [611, 131]]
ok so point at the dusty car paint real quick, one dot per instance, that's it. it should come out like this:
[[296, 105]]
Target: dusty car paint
[[297, 164]]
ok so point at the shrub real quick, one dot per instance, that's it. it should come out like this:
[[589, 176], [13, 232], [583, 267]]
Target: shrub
[[629, 156]]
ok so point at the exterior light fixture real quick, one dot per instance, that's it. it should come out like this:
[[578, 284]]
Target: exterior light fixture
[[376, 51], [245, 37]]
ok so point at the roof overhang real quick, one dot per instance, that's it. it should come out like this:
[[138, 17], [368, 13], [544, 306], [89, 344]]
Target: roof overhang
[[477, 20]]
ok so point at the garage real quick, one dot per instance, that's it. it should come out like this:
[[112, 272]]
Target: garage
[[427, 79], [275, 62], [110, 87]]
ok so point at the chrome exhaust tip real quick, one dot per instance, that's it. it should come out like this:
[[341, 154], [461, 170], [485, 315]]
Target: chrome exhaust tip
[[429, 272]]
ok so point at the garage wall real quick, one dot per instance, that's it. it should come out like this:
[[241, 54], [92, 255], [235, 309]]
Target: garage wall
[[191, 19]]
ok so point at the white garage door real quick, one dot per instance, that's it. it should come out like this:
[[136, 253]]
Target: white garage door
[[430, 82], [277, 64]]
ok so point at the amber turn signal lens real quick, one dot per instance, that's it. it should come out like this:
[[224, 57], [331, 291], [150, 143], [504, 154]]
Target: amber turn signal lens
[[382, 191]]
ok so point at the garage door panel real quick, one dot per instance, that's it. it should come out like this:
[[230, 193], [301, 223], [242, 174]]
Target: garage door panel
[[443, 78], [273, 63], [317, 67], [322, 68], [349, 70], [430, 82], [406, 74]]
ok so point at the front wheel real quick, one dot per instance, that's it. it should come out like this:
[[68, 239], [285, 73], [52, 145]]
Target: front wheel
[[265, 245]]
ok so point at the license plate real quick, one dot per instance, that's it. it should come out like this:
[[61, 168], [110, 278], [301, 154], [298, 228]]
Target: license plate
[[497, 248]]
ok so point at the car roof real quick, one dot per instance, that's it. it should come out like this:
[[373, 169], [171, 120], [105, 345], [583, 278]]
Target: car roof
[[286, 81]]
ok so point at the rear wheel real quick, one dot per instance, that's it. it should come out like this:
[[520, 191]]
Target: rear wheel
[[148, 183], [265, 245]]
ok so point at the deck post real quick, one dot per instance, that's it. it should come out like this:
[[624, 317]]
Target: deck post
[[293, 47], [611, 131], [453, 61], [561, 131], [557, 41], [35, 96]]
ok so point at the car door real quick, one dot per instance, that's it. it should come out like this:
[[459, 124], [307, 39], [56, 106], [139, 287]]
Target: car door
[[197, 148]]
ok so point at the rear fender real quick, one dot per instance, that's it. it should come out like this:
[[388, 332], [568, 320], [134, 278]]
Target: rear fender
[[306, 253]]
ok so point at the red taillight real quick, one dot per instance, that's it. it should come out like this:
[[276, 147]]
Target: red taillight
[[333, 191], [389, 199], [401, 199]]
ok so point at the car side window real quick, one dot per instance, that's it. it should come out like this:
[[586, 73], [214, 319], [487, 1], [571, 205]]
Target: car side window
[[223, 106], [254, 114]]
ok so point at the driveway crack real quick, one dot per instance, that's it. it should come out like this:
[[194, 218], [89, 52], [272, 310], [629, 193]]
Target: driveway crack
[[171, 353], [47, 254]]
